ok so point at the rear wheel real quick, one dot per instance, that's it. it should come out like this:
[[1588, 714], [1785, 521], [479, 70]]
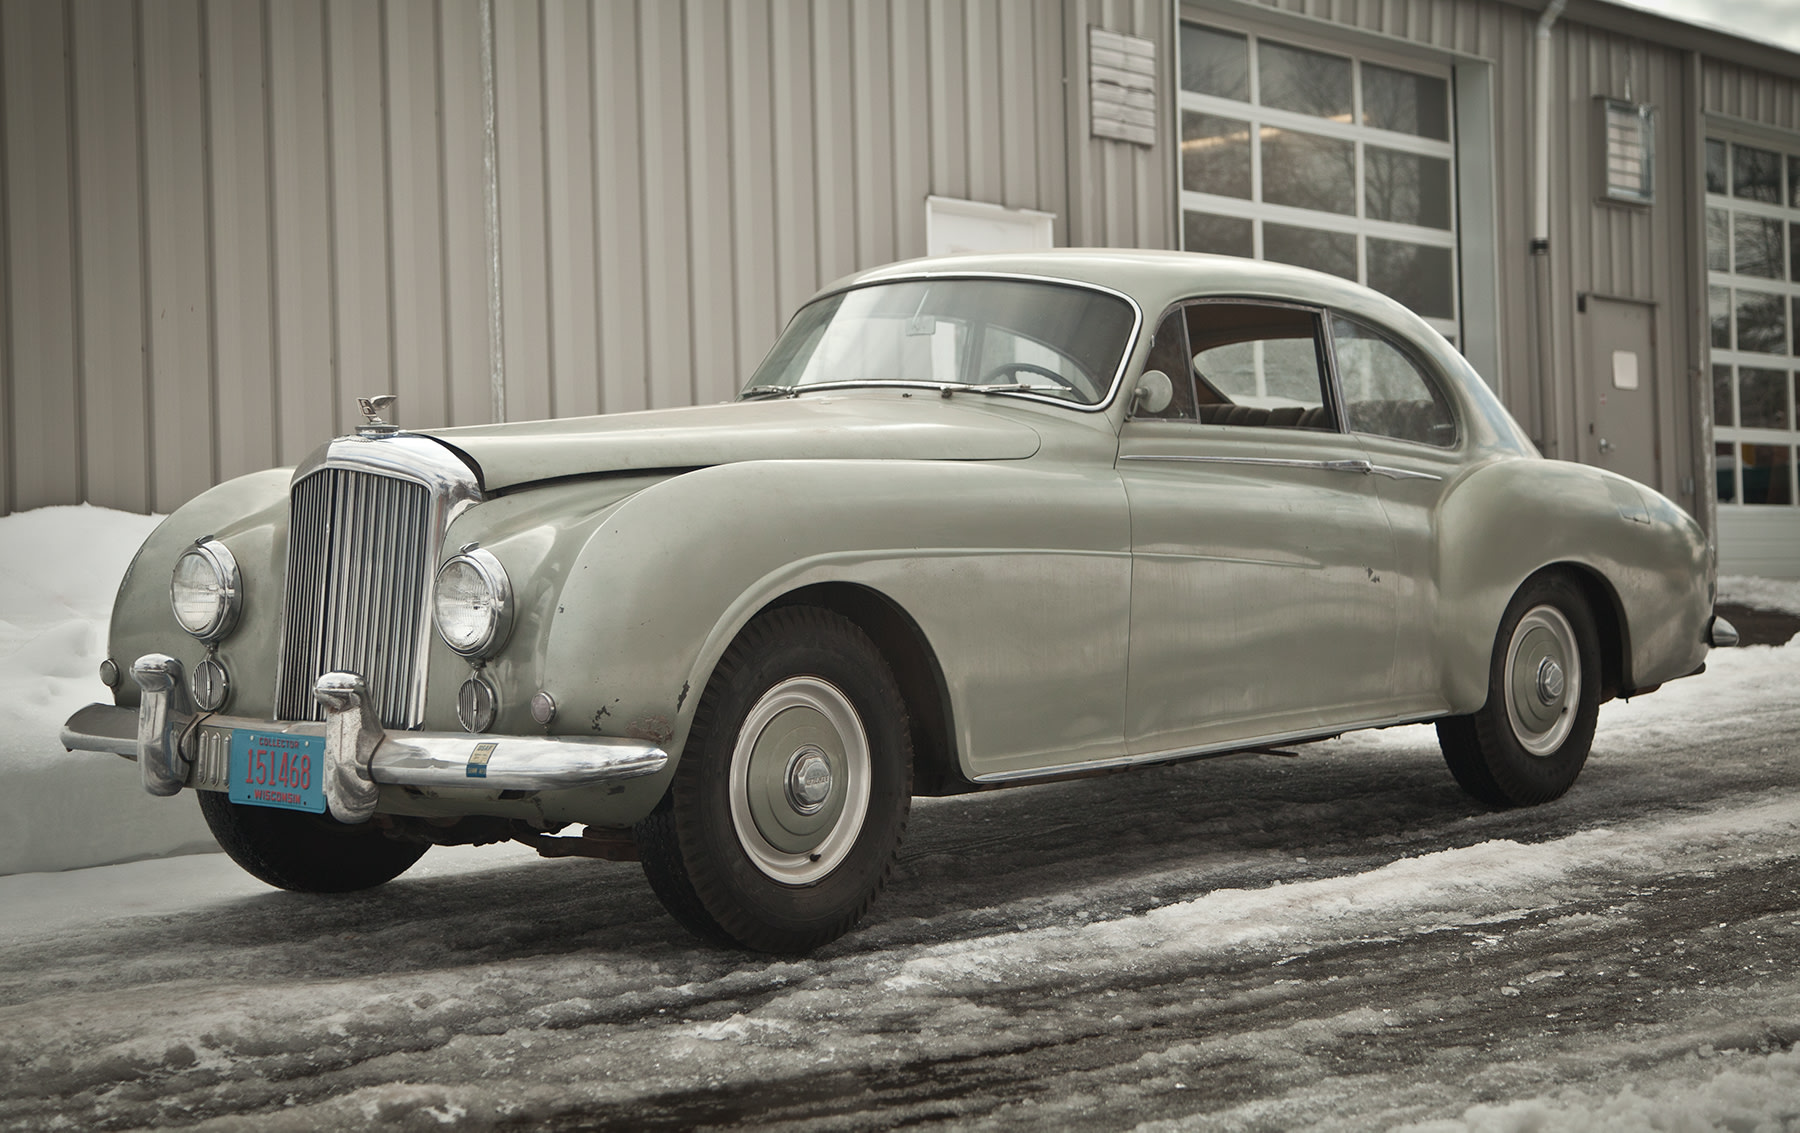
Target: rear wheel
[[309, 853], [785, 815], [1529, 741]]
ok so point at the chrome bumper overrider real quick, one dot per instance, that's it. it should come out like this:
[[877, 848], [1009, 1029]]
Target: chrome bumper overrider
[[177, 747]]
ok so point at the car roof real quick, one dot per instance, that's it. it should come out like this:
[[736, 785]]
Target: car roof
[[1156, 279]]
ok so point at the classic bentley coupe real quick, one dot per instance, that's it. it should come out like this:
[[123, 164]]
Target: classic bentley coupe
[[975, 521]]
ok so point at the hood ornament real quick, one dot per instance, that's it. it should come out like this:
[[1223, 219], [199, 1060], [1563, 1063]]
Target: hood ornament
[[373, 409]]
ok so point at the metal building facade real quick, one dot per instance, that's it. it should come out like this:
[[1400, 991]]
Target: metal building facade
[[222, 219]]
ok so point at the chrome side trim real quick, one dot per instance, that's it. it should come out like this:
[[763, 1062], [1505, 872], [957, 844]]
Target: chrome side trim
[[1361, 467], [1402, 473], [1227, 747], [513, 763], [164, 712]]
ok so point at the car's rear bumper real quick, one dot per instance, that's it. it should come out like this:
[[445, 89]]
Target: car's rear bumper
[[177, 747]]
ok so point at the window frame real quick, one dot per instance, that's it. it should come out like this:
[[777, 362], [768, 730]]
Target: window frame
[[1433, 377], [1785, 287], [1323, 354], [1358, 224]]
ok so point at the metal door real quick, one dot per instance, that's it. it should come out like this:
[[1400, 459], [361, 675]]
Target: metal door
[[1619, 389]]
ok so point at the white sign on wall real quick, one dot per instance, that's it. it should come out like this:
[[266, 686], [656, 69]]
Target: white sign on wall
[[953, 226]]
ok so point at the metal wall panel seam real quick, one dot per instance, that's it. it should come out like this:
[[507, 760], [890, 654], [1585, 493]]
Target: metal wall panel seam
[[143, 157], [78, 345], [442, 189], [8, 422], [752, 178], [490, 199], [384, 10], [276, 377], [551, 291], [209, 246], [331, 218]]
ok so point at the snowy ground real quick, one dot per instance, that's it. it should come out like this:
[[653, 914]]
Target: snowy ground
[[60, 567], [1339, 940]]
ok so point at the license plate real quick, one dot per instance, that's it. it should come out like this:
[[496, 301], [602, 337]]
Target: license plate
[[278, 769]]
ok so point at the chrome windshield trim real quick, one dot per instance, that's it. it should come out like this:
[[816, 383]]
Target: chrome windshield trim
[[1112, 392]]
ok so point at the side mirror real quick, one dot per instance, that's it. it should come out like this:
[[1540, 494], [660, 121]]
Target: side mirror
[[1154, 392]]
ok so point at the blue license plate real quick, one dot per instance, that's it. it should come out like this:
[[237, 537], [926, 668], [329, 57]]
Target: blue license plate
[[278, 769]]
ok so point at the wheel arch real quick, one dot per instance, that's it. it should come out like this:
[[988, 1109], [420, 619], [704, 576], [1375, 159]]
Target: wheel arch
[[916, 670], [1609, 623]]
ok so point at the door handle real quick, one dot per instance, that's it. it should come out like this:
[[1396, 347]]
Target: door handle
[[1361, 466], [1605, 445]]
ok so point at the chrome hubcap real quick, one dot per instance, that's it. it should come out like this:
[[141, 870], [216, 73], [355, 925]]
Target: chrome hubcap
[[800, 780], [1543, 680], [808, 780], [1549, 681]]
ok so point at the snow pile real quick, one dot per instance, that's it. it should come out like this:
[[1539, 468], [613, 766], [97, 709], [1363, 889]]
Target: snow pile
[[60, 568], [1777, 594], [1760, 1094]]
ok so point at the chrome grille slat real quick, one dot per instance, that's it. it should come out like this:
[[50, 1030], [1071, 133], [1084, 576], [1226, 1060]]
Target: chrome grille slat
[[360, 545]]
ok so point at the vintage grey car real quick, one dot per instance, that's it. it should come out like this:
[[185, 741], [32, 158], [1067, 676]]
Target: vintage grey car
[[975, 521]]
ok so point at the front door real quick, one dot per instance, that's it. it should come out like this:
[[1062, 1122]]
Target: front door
[[1261, 603], [1620, 389]]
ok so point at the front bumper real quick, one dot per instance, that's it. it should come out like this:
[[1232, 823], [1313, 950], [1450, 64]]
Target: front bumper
[[177, 747]]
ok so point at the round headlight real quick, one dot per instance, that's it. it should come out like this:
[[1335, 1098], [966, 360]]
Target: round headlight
[[204, 591], [473, 604]]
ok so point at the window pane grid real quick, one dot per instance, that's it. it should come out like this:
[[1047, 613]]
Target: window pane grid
[[1753, 278], [1350, 164]]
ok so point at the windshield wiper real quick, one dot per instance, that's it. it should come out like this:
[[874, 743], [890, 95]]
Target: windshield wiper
[[758, 393], [945, 389]]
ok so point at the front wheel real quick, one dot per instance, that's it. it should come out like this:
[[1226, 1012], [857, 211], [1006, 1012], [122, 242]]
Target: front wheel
[[786, 811], [309, 853], [1529, 741]]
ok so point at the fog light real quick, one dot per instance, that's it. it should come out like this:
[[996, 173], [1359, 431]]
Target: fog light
[[476, 705], [543, 707], [109, 673], [211, 685]]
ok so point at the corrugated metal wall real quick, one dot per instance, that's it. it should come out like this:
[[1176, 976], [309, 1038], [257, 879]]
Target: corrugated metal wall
[[222, 219], [1751, 94]]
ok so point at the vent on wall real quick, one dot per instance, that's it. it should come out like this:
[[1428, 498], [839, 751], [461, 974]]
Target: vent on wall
[[1121, 87], [1628, 169]]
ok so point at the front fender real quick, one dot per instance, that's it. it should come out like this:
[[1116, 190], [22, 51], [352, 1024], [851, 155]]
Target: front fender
[[1508, 520], [247, 514], [997, 563]]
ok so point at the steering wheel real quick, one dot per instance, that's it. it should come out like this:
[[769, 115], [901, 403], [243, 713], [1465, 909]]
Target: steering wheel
[[1028, 368]]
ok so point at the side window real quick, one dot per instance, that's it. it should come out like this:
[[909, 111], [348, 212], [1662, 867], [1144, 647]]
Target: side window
[[1386, 392], [1258, 364], [1169, 354]]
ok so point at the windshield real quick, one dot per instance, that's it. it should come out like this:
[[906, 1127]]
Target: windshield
[[1052, 339]]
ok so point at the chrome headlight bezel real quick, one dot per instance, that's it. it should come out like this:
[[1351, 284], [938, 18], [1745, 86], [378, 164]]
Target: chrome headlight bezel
[[225, 584], [495, 611]]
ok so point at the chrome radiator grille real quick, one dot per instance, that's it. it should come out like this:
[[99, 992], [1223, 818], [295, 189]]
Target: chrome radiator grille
[[360, 549]]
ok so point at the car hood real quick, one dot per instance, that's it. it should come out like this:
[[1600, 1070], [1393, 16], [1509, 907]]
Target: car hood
[[882, 427]]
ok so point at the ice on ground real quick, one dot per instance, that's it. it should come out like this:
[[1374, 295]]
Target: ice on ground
[[1782, 595], [61, 567], [1761, 1093]]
